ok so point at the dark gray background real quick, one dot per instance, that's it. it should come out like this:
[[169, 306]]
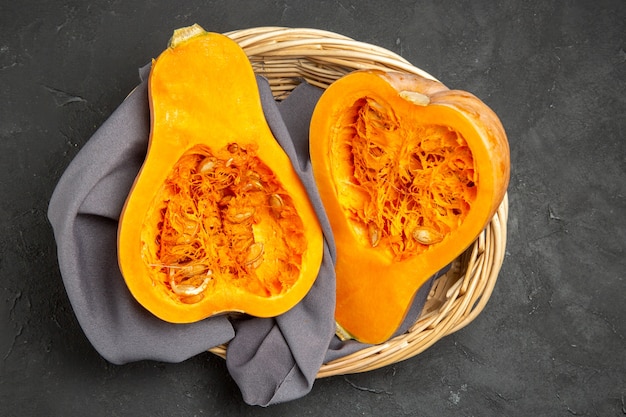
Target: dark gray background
[[550, 342]]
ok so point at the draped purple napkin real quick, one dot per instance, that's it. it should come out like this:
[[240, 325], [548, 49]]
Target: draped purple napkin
[[272, 360]]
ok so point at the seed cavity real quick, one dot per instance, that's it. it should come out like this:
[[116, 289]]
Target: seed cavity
[[402, 186], [219, 212]]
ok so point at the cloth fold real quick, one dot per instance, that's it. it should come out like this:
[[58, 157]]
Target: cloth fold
[[272, 360]]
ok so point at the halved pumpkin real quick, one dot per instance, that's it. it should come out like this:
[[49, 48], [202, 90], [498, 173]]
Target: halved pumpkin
[[410, 173], [217, 219]]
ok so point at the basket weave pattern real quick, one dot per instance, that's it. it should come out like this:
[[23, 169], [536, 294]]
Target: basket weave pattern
[[289, 56]]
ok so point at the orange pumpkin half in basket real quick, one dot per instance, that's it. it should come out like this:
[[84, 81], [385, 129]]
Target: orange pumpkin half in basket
[[217, 219], [410, 173]]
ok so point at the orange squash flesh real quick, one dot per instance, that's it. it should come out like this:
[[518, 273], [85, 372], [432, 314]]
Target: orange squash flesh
[[410, 173], [217, 219]]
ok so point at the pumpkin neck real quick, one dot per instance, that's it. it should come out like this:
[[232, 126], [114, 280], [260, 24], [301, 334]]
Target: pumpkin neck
[[200, 75]]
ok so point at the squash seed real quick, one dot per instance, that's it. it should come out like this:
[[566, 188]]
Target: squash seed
[[255, 255], [193, 270], [187, 289], [206, 165], [276, 203], [415, 97], [193, 299], [426, 235], [242, 216], [253, 185], [374, 234]]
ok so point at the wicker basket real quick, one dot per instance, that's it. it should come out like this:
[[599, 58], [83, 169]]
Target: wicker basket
[[286, 57]]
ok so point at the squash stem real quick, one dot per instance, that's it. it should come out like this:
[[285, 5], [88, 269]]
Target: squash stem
[[342, 333], [184, 34]]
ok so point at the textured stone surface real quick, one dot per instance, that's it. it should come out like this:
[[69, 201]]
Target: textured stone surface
[[552, 340]]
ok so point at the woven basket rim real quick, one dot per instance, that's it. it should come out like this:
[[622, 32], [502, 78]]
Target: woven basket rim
[[287, 56]]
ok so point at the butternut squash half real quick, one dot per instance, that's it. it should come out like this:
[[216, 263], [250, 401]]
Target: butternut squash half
[[410, 173], [217, 219]]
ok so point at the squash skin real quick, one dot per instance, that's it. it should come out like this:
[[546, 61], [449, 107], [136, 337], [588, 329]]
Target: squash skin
[[374, 288], [203, 92]]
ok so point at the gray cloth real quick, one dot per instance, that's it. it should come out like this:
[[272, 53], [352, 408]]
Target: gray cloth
[[272, 360]]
